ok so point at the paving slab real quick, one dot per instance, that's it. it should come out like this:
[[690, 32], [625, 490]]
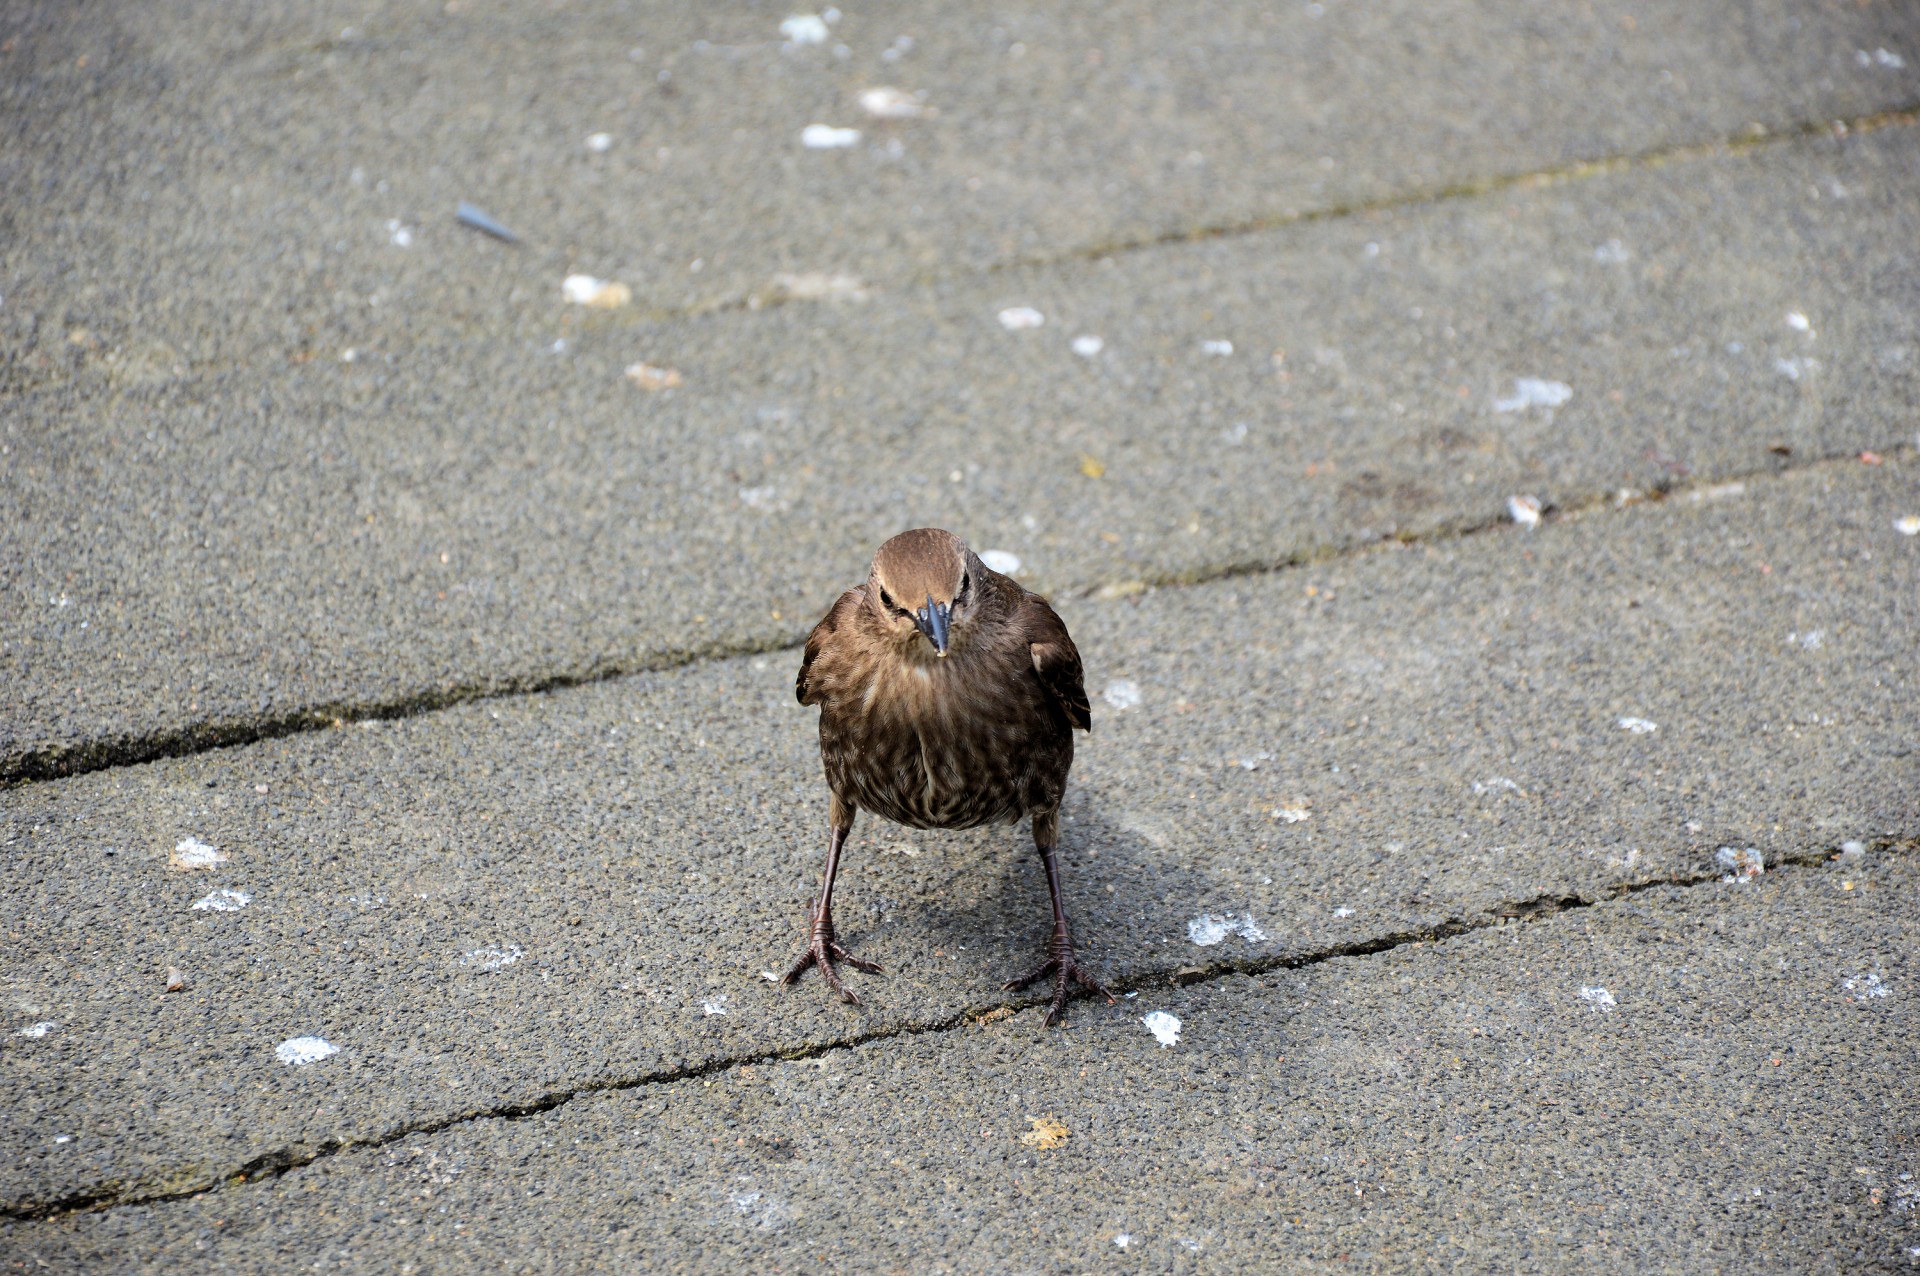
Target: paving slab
[[493, 907], [213, 188], [245, 553], [1710, 1078]]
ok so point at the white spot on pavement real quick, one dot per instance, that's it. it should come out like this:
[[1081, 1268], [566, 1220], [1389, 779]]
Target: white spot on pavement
[[1716, 492], [1864, 988], [1741, 862], [769, 976], [298, 1052], [1599, 998], [599, 141], [1794, 369], [1164, 1027], [802, 29], [1799, 322], [600, 294], [1524, 510], [1125, 1239], [715, 1005], [825, 137], [1881, 57], [889, 103], [495, 958], [1811, 640], [398, 235], [762, 1209], [1020, 318], [1001, 561], [190, 853], [1498, 784], [1291, 813], [1206, 930], [1087, 345], [223, 901], [1907, 525], [1639, 726], [1532, 392], [760, 498], [1122, 695], [1853, 850], [1219, 349], [1611, 253], [38, 1030], [813, 285], [1343, 911], [653, 378]]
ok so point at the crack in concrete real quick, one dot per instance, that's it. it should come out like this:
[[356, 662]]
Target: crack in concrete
[[1742, 143], [1748, 140], [65, 761], [760, 297], [1539, 908], [61, 761]]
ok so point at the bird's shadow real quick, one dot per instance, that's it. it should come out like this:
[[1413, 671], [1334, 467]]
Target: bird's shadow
[[984, 891]]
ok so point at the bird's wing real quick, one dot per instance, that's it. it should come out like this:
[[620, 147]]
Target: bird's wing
[[1056, 660], [803, 690]]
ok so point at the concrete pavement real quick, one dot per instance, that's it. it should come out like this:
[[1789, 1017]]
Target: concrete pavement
[[408, 684], [1672, 1080], [1387, 746], [218, 185], [277, 548]]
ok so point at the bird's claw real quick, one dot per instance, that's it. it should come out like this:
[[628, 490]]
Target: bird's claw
[[822, 951], [1066, 973]]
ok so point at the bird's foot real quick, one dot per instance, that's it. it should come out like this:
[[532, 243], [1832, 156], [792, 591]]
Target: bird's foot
[[822, 951], [1066, 973]]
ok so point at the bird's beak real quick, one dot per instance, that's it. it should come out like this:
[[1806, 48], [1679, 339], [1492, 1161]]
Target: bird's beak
[[932, 620]]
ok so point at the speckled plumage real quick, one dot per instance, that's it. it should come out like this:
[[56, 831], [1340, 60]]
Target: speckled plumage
[[978, 733], [977, 737]]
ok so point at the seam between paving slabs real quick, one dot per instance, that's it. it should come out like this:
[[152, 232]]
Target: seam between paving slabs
[[1753, 138], [65, 761], [1749, 140], [1745, 142], [1541, 908], [102, 754]]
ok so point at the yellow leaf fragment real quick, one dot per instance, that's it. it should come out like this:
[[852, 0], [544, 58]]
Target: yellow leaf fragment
[[1046, 1133]]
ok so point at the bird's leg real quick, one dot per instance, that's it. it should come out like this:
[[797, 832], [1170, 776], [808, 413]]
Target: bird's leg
[[1059, 963], [821, 948]]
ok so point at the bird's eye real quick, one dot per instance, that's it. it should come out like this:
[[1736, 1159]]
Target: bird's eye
[[886, 600], [966, 583]]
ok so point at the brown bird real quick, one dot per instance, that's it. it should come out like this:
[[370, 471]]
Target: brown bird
[[948, 696]]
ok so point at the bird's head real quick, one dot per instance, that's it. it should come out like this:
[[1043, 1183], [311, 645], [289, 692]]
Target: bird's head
[[924, 582]]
